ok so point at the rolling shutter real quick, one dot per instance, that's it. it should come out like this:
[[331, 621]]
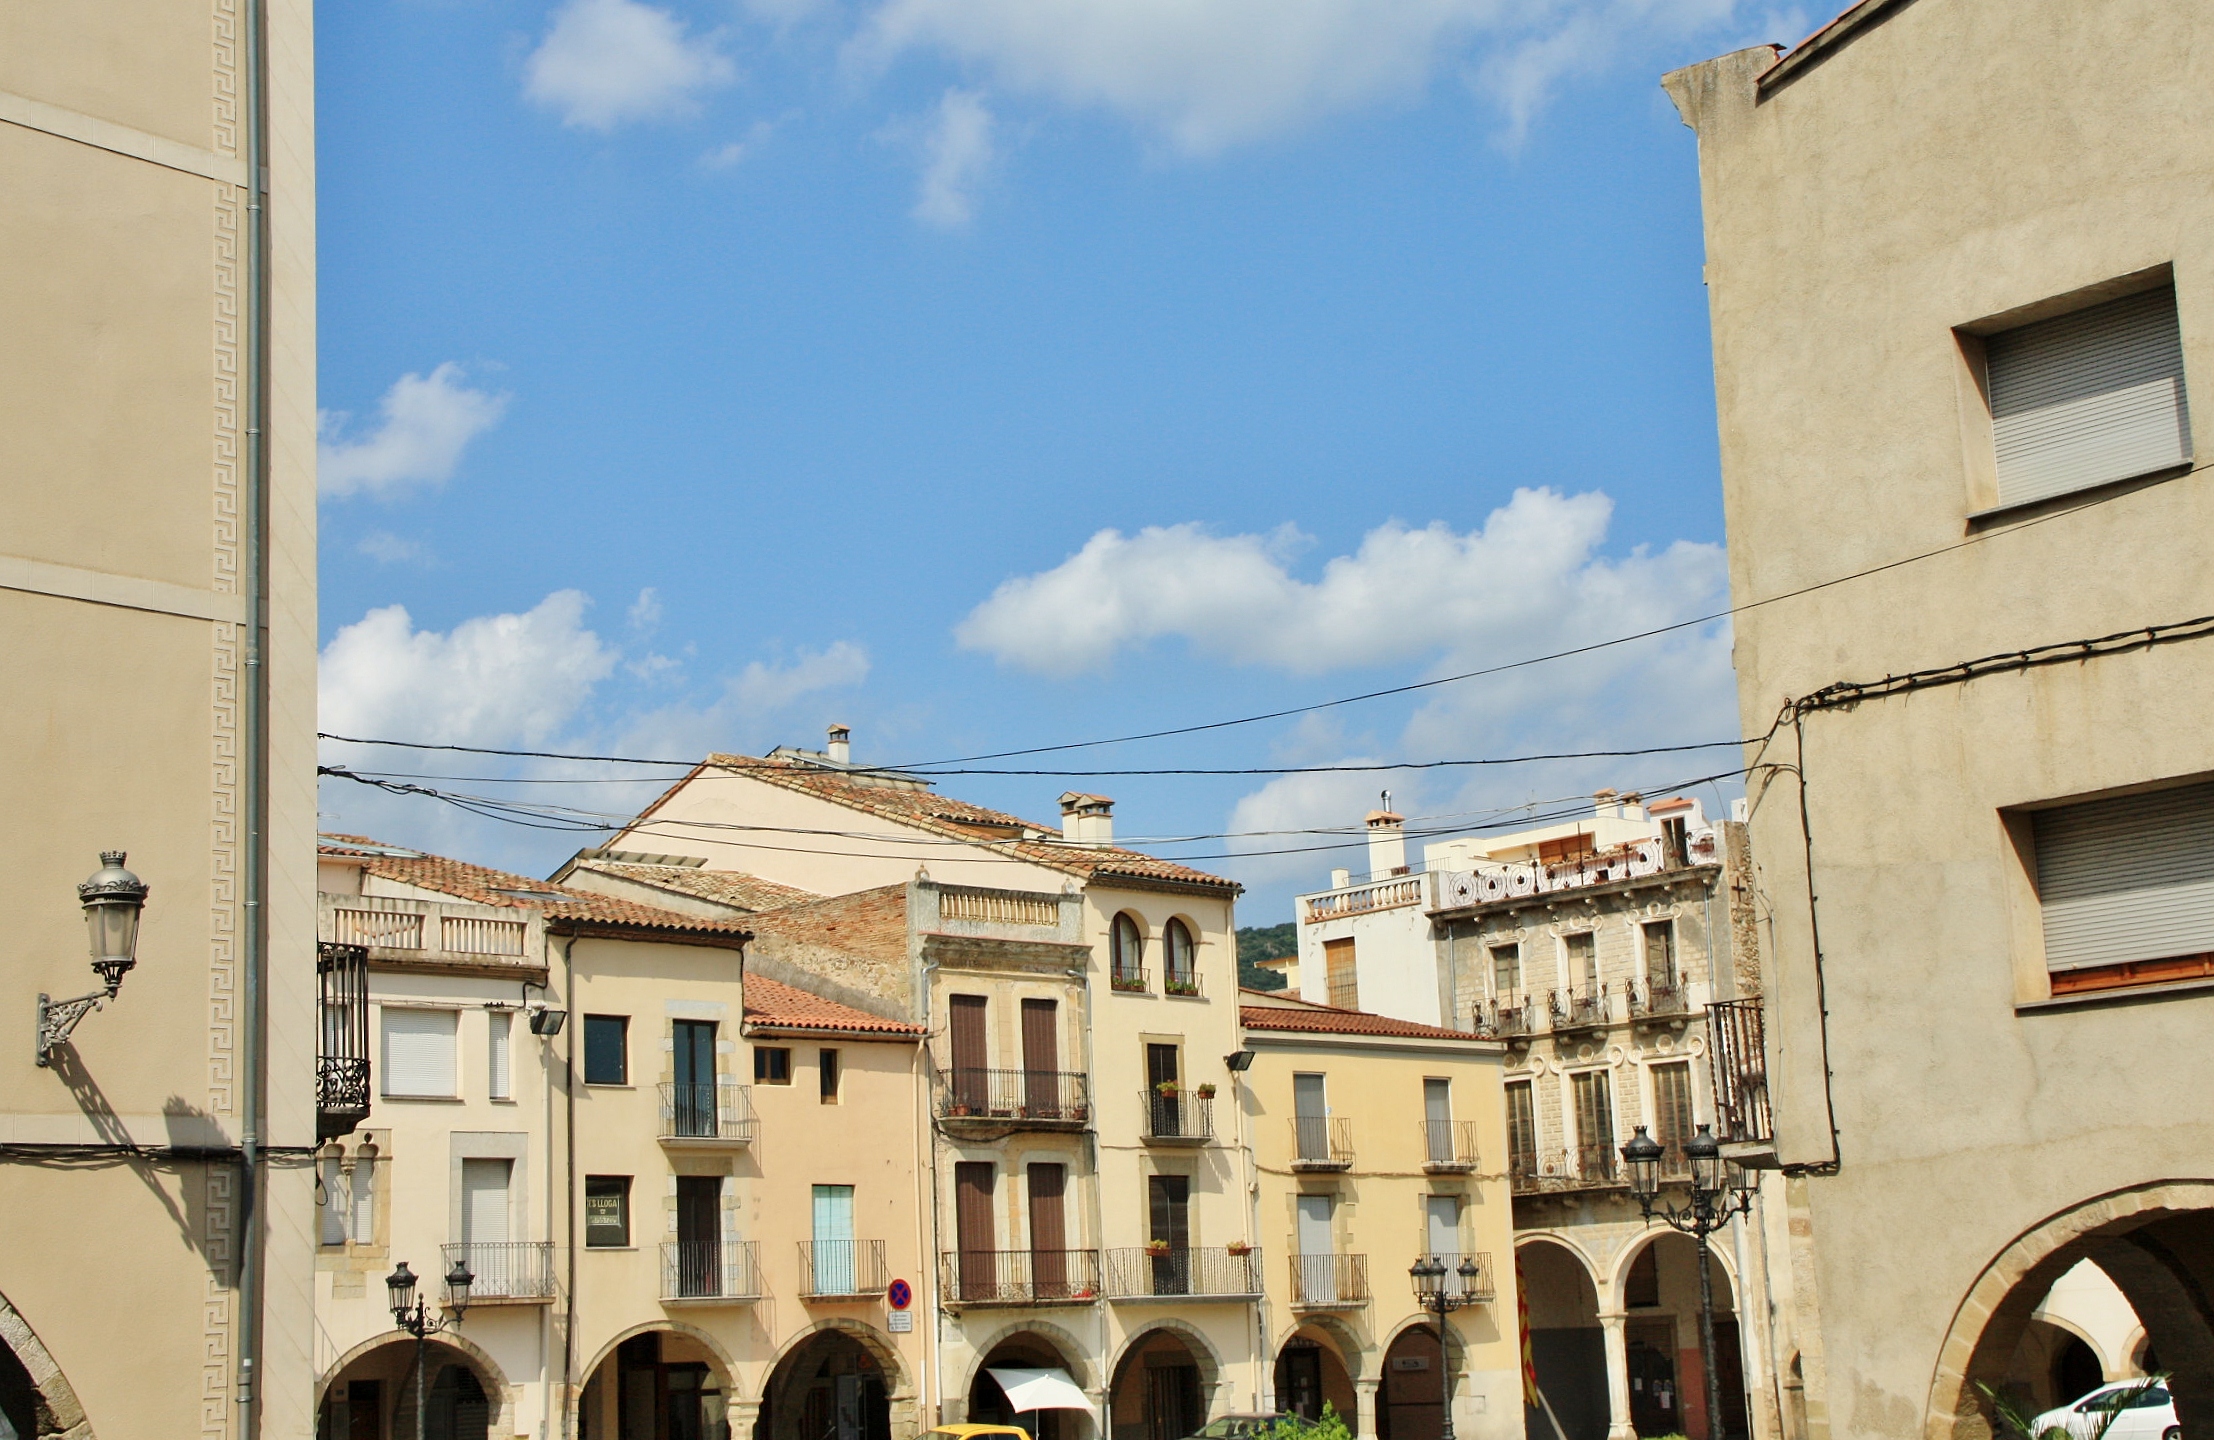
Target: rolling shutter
[[419, 1052], [2088, 397], [2127, 879]]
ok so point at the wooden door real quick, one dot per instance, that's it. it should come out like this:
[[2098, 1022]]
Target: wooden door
[[973, 1230], [1169, 1221], [1166, 1107], [1049, 1236], [1672, 1114], [965, 1031], [1041, 1058], [699, 1234], [694, 1095]]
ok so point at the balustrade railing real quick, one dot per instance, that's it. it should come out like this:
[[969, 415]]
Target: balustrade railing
[[1020, 1277], [709, 1270], [1385, 894], [468, 935], [1326, 1281], [519, 1270], [1181, 1118], [1139, 1272], [1459, 888], [832, 1269], [1736, 1049], [707, 1112], [997, 907], [1059, 1098], [384, 929], [1322, 1142]]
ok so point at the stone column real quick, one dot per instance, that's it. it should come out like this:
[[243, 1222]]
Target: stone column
[[1612, 1324], [1364, 1397]]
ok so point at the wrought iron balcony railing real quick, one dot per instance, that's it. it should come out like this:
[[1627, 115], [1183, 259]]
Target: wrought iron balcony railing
[[1052, 1099], [721, 1113], [342, 1039], [1020, 1277], [1460, 888], [1127, 977], [1656, 999], [1525, 1172], [1322, 1142], [1183, 1118], [1573, 1167], [842, 1269], [1481, 1287], [506, 1271], [1448, 1146], [1736, 1049], [1584, 1009], [1143, 1272], [1329, 1282], [1182, 982], [1508, 1018], [710, 1270]]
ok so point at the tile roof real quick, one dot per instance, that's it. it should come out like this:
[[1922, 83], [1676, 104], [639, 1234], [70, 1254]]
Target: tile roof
[[926, 810], [481, 885], [1306, 1018], [871, 923], [734, 888], [778, 1006]]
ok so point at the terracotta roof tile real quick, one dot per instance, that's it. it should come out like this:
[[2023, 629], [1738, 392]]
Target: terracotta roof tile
[[779, 1006], [481, 885], [871, 923], [725, 887], [1305, 1018]]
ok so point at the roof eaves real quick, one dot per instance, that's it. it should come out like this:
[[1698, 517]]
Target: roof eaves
[[1855, 21]]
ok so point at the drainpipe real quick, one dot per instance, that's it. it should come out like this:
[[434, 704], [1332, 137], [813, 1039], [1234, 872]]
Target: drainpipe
[[569, 1091], [253, 725], [1099, 1305]]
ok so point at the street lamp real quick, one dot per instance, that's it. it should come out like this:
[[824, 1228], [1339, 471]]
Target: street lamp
[[1720, 1191], [113, 899], [413, 1315], [1441, 1300]]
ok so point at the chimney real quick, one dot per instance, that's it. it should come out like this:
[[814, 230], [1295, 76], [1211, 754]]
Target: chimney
[[1387, 843], [1339, 879], [1087, 820], [1606, 804], [1633, 806], [841, 745]]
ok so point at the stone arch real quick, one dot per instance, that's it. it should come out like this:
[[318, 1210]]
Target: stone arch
[[868, 1337], [1618, 1273], [51, 1393], [1348, 1341], [2111, 1364], [505, 1394], [1064, 1343], [2145, 1237], [693, 1333], [804, 1359], [1593, 1270], [1203, 1354]]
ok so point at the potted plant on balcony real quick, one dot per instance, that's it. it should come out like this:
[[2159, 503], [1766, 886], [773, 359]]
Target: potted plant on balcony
[[1237, 1247], [1158, 1249], [1168, 1089], [1181, 985], [1205, 1092]]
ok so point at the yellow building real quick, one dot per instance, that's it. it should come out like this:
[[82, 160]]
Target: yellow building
[[1377, 1143], [157, 628]]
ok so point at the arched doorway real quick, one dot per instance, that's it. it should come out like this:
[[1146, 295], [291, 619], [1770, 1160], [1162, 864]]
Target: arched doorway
[[1566, 1341], [1662, 1354], [1410, 1403], [1311, 1373], [656, 1385], [375, 1395], [2154, 1242], [1158, 1392], [988, 1404], [829, 1387], [42, 1406]]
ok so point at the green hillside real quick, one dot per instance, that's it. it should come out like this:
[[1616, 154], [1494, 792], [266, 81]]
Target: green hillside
[[1265, 942]]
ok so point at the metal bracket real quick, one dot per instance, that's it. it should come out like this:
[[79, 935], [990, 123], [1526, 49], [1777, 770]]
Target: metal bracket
[[56, 1018]]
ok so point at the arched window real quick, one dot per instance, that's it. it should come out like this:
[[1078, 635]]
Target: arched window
[[1126, 954], [1179, 970]]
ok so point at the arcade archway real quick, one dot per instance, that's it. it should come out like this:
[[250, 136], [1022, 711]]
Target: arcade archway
[[1316, 1368], [35, 1396], [1658, 1285], [829, 1386], [657, 1384], [374, 1393], [1160, 1387], [1410, 1403], [1567, 1342], [1025, 1350]]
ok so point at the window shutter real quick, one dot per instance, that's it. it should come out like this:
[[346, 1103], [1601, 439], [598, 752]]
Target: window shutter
[[336, 1201], [2088, 397], [501, 1028], [419, 1052], [484, 1201], [2127, 879]]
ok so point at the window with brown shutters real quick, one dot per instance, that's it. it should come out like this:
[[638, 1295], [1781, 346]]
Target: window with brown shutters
[[975, 1235], [1594, 1125], [965, 1034], [1522, 1147], [1343, 975], [1049, 1235], [1672, 1125], [1041, 1056]]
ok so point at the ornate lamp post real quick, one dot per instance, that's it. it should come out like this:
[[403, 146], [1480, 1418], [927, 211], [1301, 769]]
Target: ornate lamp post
[[1441, 1300], [112, 898], [1720, 1191], [413, 1315]]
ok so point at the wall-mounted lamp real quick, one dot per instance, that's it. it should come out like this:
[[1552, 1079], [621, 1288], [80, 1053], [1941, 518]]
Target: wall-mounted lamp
[[545, 1020], [113, 899], [1239, 1062]]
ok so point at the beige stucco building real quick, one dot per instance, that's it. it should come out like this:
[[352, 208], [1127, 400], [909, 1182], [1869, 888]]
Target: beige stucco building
[[1960, 258], [1376, 1143], [157, 627]]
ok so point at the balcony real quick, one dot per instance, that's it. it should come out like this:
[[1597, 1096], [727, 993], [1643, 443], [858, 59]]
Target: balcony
[[1141, 1272], [707, 1115], [1184, 984], [1329, 1282], [1581, 1009], [1573, 1167], [1023, 1099], [1512, 1019], [1020, 1277], [1480, 1288], [1448, 1146], [1182, 1118], [1736, 1048], [1320, 1142], [508, 1272], [709, 1272], [1389, 893], [1129, 981], [1659, 1000], [342, 1039], [842, 1269], [1462, 889]]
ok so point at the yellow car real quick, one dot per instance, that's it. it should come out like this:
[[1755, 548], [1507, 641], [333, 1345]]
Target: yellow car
[[978, 1432]]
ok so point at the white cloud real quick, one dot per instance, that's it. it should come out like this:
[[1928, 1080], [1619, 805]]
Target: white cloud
[[428, 420], [762, 688], [1530, 571], [388, 549], [957, 153], [645, 611], [604, 62], [751, 707], [492, 680], [722, 157]]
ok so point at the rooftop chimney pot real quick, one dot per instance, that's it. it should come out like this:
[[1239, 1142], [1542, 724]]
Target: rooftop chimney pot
[[841, 745]]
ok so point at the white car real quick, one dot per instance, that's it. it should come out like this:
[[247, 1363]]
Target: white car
[[2150, 1415]]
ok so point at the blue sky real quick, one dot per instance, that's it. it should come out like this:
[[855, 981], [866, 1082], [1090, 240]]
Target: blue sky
[[995, 373]]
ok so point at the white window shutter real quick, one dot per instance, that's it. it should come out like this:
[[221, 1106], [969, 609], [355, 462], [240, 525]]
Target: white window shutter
[[419, 1052], [484, 1208], [2088, 397], [336, 1201], [501, 1027], [2127, 879]]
